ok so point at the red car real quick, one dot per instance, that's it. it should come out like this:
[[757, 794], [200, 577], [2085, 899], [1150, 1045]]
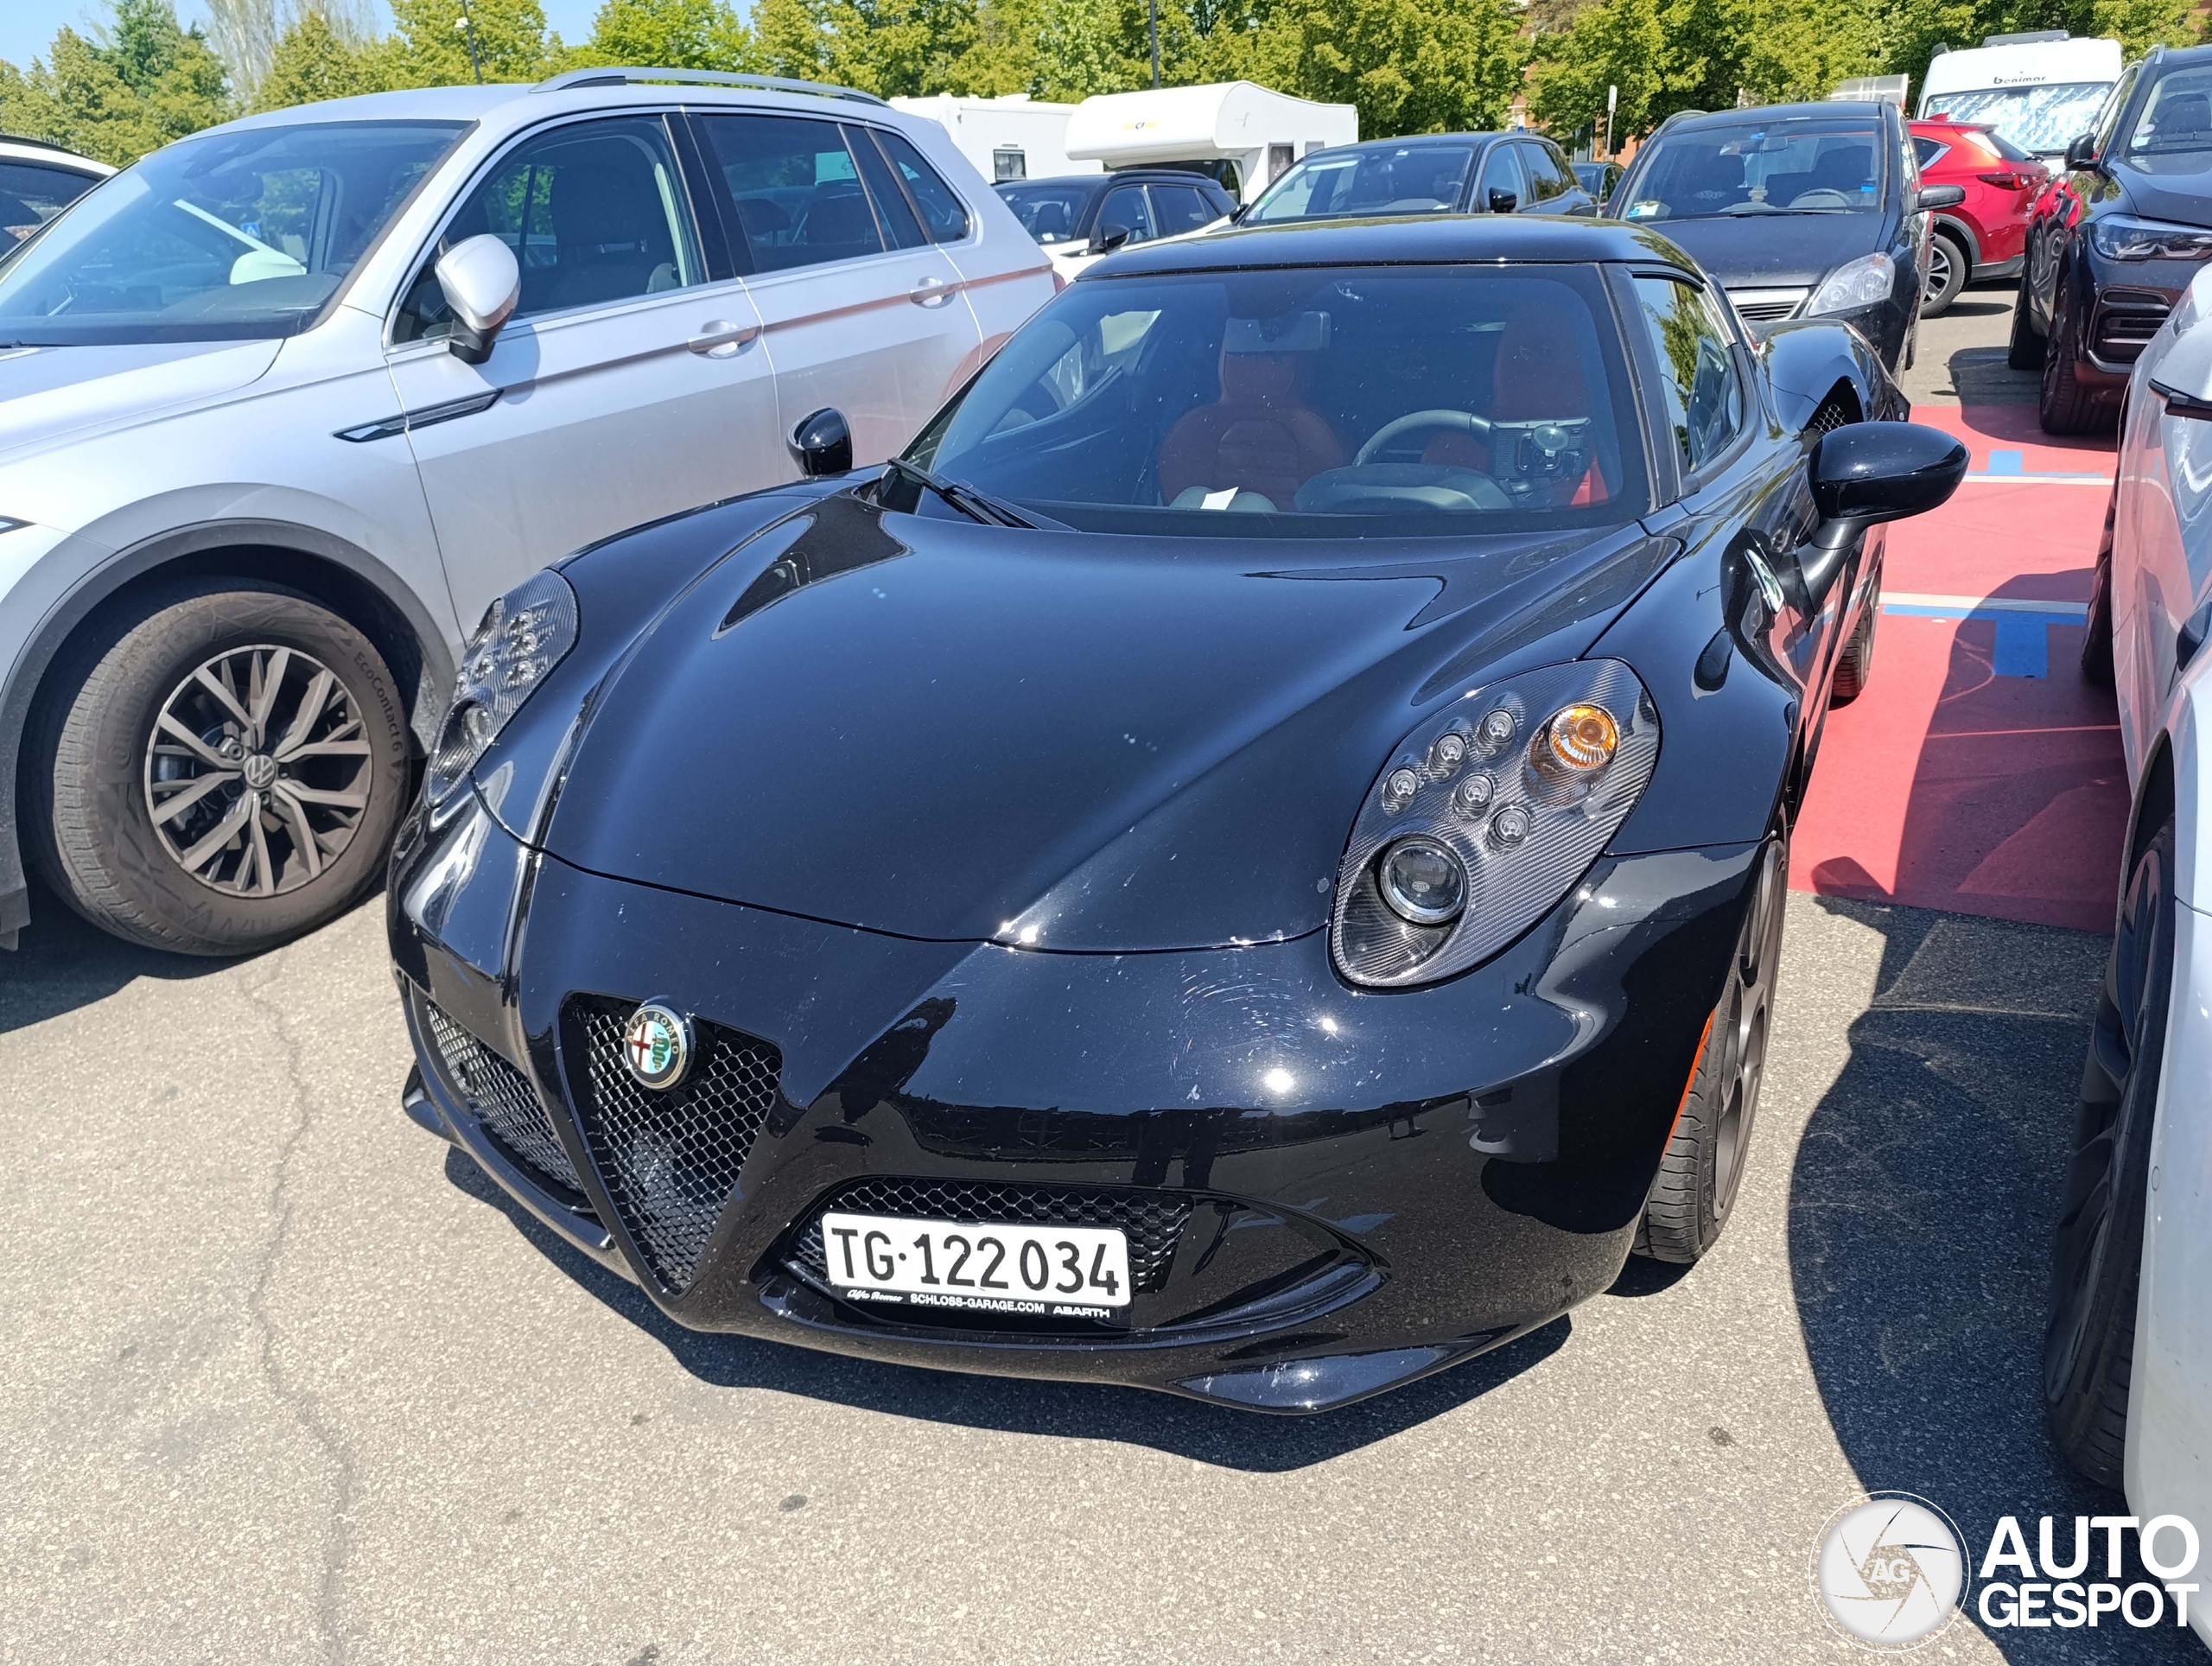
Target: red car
[[1985, 235]]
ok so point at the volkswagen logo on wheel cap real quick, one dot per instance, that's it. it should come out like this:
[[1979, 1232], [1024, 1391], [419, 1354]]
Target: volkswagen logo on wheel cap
[[656, 1045]]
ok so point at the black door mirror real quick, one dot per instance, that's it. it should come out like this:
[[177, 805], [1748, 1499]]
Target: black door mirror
[[1940, 196], [2082, 153], [824, 443], [1237, 213], [1865, 473], [1108, 239], [1502, 202]]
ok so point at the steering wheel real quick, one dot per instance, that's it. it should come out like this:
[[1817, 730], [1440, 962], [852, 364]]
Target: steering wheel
[[1830, 198], [1458, 422]]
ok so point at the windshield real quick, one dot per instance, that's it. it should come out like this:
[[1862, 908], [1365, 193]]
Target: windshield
[[1050, 212], [1804, 168], [234, 236], [2175, 122], [1406, 179], [1369, 401], [2042, 119]]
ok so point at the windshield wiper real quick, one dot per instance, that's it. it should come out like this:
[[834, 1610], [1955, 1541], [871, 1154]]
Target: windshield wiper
[[976, 505]]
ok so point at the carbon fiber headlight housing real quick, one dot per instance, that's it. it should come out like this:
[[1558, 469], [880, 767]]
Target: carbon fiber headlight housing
[[1522, 783], [524, 635]]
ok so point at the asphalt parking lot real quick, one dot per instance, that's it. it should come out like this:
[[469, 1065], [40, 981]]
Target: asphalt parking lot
[[290, 1380]]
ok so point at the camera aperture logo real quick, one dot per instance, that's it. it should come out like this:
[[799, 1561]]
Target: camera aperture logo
[[1889, 1571]]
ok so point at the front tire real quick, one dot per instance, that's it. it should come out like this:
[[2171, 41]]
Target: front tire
[[2096, 640], [218, 770], [2028, 345], [2097, 1260], [2063, 405], [1856, 663], [1948, 268], [1703, 1167]]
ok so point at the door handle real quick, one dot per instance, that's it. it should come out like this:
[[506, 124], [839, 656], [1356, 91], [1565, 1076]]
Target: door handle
[[720, 338], [929, 292]]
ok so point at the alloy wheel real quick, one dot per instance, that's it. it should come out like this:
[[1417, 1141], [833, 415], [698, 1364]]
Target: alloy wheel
[[1939, 267], [258, 771]]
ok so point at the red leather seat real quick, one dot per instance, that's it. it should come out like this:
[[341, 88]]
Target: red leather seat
[[1538, 375], [1259, 437]]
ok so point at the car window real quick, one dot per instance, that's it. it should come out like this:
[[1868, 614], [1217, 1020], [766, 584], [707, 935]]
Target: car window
[[1697, 372], [233, 234], [1322, 403], [1502, 172], [1125, 207], [1929, 151], [2107, 118], [794, 189], [1413, 178], [2044, 119], [31, 194], [1546, 177], [943, 211], [2176, 124], [596, 213], [1050, 212], [894, 209], [1180, 208], [1749, 168]]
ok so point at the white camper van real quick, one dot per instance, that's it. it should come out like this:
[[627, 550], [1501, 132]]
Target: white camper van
[[2041, 90], [1016, 137], [1250, 133]]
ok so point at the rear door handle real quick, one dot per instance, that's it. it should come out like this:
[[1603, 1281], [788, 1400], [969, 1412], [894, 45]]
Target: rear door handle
[[929, 292], [720, 338]]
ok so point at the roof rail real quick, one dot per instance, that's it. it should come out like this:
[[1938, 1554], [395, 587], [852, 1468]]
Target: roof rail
[[42, 144], [632, 77]]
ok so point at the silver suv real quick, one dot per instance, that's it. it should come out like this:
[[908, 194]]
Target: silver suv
[[283, 407]]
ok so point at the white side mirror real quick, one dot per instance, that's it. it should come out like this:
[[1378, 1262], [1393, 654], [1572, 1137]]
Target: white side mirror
[[481, 284]]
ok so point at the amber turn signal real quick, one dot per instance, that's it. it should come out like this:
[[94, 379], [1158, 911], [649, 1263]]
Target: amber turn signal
[[1578, 740]]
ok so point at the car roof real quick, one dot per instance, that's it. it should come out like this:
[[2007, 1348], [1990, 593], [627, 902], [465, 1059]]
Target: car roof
[[1112, 176], [1767, 115], [1441, 240], [40, 151], [2183, 57]]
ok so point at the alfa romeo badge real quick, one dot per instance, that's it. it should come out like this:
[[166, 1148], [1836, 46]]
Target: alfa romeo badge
[[656, 1045]]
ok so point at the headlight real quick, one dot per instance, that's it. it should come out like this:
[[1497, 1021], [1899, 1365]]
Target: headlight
[[1865, 282], [2123, 237], [1486, 816], [525, 634]]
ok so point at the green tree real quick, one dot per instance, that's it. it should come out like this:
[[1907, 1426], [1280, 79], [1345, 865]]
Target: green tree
[[143, 82], [668, 34], [314, 60], [1409, 66], [429, 47]]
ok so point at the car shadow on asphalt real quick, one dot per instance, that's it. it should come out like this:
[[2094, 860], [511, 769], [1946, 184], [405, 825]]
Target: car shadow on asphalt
[[1921, 1210], [62, 962], [1190, 1428]]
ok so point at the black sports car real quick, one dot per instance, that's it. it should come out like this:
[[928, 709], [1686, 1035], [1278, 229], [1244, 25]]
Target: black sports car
[[1249, 862]]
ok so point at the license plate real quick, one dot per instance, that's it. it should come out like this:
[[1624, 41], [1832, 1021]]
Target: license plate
[[1047, 1272]]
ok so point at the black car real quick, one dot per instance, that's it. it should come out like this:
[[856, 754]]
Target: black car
[[1431, 174], [2116, 239], [1598, 179], [1801, 211], [1089, 213], [37, 182], [1248, 862]]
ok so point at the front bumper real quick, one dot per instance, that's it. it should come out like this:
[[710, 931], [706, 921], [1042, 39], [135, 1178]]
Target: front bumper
[[1341, 1190], [2124, 302]]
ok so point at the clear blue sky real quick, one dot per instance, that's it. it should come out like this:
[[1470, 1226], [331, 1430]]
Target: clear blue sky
[[26, 26]]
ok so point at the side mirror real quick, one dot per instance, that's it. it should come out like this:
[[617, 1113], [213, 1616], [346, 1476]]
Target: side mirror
[[1107, 238], [1502, 202], [481, 284], [1940, 196], [823, 443], [1865, 473], [1238, 213], [2082, 153]]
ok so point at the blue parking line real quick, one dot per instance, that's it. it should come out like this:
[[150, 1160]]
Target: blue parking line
[[2023, 647], [2008, 462]]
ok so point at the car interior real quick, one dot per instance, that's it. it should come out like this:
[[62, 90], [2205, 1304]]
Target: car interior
[[1733, 173], [1259, 394]]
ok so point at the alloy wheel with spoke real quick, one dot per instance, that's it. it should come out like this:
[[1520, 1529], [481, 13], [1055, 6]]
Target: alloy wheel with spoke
[[258, 771]]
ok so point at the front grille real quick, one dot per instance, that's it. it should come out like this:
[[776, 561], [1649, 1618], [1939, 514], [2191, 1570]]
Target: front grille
[[1835, 412], [1153, 1220], [502, 1097], [1765, 305], [2129, 318], [670, 1160]]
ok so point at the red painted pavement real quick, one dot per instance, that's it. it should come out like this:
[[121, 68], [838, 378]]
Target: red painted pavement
[[1945, 785]]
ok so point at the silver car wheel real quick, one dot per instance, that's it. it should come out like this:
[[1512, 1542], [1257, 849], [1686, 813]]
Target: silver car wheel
[[258, 771]]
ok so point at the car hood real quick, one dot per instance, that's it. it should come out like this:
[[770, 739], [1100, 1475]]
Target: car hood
[[49, 393], [954, 732], [2178, 187], [1774, 251]]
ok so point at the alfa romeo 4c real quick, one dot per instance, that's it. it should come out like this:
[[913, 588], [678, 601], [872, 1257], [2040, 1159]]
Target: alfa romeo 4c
[[1249, 862]]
